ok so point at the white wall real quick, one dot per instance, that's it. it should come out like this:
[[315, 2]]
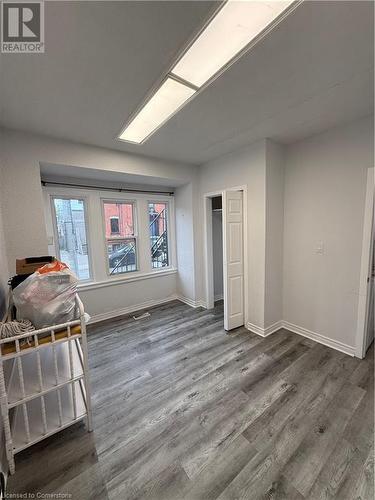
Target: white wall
[[273, 308], [322, 200], [325, 182], [245, 167], [217, 251], [24, 221], [300, 195], [184, 210], [260, 167], [117, 298]]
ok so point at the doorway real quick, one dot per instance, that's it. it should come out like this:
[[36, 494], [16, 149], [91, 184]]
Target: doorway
[[225, 262], [217, 247]]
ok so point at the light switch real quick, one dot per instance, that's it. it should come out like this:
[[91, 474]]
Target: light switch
[[50, 240], [319, 249]]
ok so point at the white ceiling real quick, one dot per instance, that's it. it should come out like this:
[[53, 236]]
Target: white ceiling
[[312, 72]]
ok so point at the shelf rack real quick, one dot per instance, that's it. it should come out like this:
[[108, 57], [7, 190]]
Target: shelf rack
[[44, 383]]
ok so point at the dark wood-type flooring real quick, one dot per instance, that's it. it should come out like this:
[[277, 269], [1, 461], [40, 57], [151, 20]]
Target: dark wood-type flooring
[[183, 410]]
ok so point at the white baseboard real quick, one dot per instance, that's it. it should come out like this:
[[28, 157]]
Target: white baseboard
[[190, 302], [219, 297], [321, 339], [317, 337], [130, 309], [96, 318], [264, 332]]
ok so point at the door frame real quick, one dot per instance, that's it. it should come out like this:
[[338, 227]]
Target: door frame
[[208, 249], [366, 262]]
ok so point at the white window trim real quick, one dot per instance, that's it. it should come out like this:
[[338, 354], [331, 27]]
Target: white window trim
[[133, 203], [125, 279], [96, 237]]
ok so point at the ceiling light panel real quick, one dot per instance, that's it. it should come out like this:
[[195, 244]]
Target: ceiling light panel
[[170, 96], [236, 24]]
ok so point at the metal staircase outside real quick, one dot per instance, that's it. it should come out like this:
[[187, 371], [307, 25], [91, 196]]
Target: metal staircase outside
[[159, 248]]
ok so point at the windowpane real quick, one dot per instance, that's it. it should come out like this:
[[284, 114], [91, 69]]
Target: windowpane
[[123, 212], [115, 227], [158, 216], [72, 235], [120, 237]]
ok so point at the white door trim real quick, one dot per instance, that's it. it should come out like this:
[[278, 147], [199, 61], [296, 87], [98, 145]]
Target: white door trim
[[363, 301], [208, 251]]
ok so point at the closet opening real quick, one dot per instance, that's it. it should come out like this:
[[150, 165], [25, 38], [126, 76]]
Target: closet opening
[[225, 268], [217, 247]]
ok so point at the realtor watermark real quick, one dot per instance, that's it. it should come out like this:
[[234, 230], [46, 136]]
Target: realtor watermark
[[22, 27], [40, 495]]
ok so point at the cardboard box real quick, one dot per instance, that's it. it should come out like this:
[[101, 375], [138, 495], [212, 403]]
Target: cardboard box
[[30, 264]]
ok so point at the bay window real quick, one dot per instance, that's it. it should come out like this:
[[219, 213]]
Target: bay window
[[108, 237]]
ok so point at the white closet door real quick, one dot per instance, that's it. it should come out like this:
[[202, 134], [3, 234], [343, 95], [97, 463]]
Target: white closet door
[[233, 259], [370, 321]]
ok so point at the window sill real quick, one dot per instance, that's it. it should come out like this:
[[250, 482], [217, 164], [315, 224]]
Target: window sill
[[126, 279]]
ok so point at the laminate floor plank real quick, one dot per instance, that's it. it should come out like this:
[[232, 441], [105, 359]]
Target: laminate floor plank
[[183, 410], [220, 471], [281, 488], [341, 465], [313, 385], [305, 465], [215, 440], [268, 464], [159, 453]]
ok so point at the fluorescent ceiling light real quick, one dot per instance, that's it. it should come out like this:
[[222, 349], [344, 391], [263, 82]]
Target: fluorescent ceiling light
[[236, 24], [166, 101], [233, 28]]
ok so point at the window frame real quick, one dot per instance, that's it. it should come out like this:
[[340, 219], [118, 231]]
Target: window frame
[[95, 233], [79, 197], [134, 237], [168, 206]]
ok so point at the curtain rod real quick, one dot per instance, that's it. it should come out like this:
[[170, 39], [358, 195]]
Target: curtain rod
[[106, 188]]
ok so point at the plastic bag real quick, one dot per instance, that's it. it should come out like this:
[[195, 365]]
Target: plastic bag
[[47, 297], [53, 267]]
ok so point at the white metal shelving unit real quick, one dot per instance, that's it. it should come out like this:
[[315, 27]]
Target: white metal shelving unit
[[44, 383]]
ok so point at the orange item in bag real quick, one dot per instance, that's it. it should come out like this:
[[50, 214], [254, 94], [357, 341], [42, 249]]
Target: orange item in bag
[[53, 267]]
